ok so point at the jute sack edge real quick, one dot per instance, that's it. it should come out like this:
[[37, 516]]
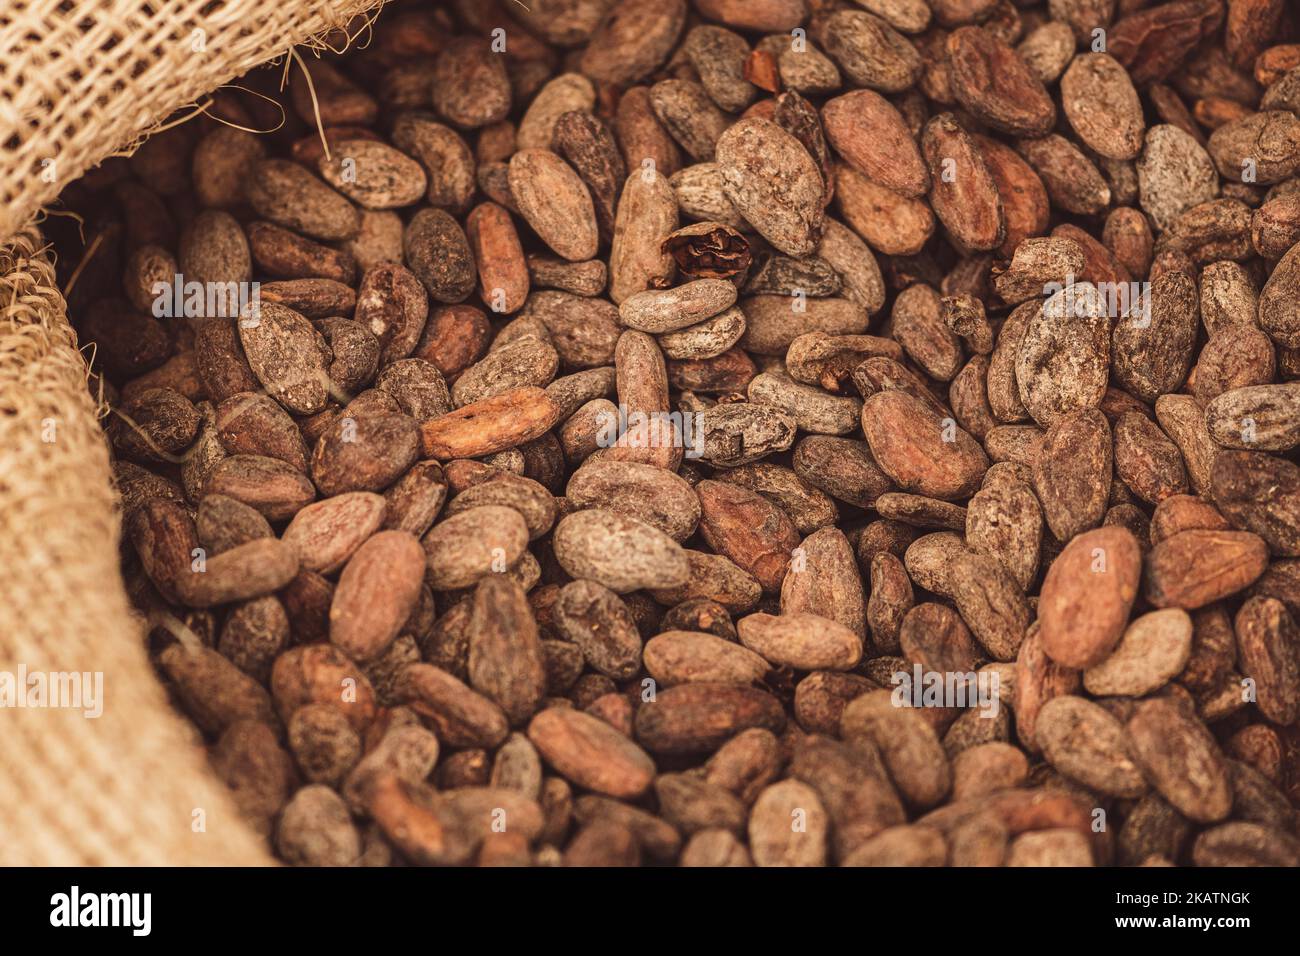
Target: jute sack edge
[[96, 768], [84, 82], [99, 769]]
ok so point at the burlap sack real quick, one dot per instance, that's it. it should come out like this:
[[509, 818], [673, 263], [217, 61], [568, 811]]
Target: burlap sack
[[79, 81]]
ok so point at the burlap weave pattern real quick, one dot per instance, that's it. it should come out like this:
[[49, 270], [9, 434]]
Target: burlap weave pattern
[[78, 81], [120, 788]]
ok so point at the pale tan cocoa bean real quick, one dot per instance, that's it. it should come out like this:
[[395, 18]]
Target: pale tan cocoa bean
[[1053, 847], [482, 541], [1154, 649], [985, 768], [754, 154], [717, 578], [620, 552], [647, 214], [1181, 758], [802, 641], [1087, 744], [788, 826]]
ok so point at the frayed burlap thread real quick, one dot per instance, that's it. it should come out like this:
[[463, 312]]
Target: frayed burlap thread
[[81, 79], [122, 788]]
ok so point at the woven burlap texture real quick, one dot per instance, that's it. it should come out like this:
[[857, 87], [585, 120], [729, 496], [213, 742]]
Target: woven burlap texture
[[80, 79], [120, 788]]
